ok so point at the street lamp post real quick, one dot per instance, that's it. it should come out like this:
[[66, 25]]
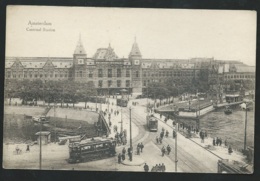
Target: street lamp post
[[176, 158], [130, 129], [147, 100], [245, 129], [121, 120], [40, 156], [108, 98], [96, 101]]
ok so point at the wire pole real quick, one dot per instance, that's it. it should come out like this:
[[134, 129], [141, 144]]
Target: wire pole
[[96, 102], [245, 129], [108, 99], [130, 129], [176, 159], [121, 120], [40, 145], [55, 134], [147, 101]]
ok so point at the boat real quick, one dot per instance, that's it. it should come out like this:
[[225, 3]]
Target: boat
[[228, 110], [41, 119]]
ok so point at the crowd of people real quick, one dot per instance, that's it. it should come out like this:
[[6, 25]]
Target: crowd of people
[[162, 135], [156, 168]]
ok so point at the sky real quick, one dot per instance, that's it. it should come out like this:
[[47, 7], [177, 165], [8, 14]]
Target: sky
[[160, 33]]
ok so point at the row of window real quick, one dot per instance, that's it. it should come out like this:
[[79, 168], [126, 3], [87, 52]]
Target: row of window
[[109, 73], [164, 74], [146, 82], [239, 76], [110, 83], [36, 75]]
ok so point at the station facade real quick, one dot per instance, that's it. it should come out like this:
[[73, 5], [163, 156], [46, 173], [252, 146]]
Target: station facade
[[111, 74]]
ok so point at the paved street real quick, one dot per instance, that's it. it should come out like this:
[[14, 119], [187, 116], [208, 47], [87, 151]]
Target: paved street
[[191, 157]]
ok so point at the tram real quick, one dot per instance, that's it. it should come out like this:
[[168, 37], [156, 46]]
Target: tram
[[91, 149], [152, 123], [122, 102]]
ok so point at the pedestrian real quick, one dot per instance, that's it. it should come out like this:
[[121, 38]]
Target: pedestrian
[[156, 168], [230, 150], [217, 141], [163, 167], [28, 148], [123, 157], [162, 134], [160, 140], [123, 151], [159, 168], [173, 134], [202, 137], [220, 141], [169, 149], [17, 149], [146, 167], [167, 134], [214, 142], [131, 155], [138, 149], [141, 147], [153, 169], [206, 134], [119, 158], [157, 140], [163, 151], [225, 142]]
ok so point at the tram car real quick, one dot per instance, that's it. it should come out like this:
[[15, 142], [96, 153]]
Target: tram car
[[91, 149], [152, 123], [122, 102]]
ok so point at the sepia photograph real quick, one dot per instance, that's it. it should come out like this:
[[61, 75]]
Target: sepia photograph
[[129, 89]]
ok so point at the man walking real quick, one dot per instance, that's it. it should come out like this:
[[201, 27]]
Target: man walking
[[119, 158], [167, 134], [163, 151], [138, 149], [141, 147], [163, 167], [169, 149], [146, 167]]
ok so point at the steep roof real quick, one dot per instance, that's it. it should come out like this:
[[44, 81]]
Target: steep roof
[[105, 54], [135, 50], [39, 62]]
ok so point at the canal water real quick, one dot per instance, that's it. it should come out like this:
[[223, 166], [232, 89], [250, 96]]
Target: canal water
[[230, 127], [17, 128]]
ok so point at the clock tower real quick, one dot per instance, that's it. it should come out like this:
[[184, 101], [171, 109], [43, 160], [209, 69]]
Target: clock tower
[[135, 57], [79, 62]]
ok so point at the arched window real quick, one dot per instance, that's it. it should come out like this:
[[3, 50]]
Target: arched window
[[137, 73]]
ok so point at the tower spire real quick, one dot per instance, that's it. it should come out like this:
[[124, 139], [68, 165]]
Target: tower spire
[[79, 48]]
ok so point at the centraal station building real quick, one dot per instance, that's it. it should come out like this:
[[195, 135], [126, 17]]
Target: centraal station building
[[112, 74]]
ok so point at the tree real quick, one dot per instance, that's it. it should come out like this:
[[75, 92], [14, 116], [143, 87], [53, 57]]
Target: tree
[[11, 89]]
